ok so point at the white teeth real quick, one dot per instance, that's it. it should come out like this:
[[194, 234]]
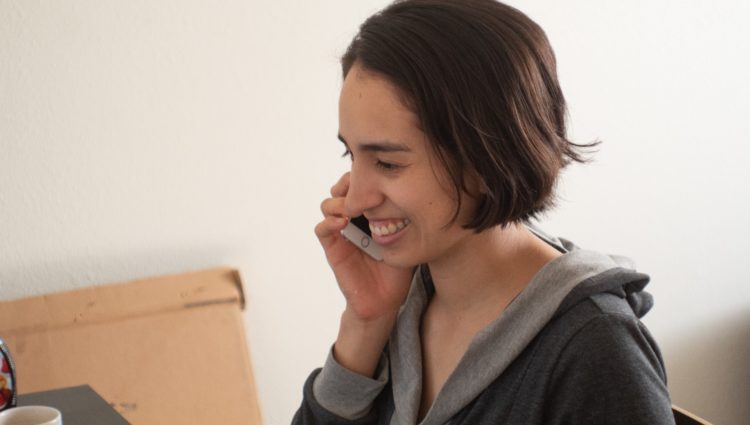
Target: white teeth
[[390, 229]]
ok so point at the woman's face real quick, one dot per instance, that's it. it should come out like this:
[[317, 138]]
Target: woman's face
[[396, 181]]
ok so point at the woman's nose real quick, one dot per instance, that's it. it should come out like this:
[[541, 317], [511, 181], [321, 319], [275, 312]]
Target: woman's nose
[[363, 194]]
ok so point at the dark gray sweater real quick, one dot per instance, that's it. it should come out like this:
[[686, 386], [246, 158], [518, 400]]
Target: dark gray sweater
[[569, 350]]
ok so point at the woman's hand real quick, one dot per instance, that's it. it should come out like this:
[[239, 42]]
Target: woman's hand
[[371, 288], [374, 291]]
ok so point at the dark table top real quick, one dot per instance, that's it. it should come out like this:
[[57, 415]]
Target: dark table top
[[79, 406]]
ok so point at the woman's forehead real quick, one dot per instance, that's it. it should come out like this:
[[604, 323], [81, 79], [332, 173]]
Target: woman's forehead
[[371, 112]]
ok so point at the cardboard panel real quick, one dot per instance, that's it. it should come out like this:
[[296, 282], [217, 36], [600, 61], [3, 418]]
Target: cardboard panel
[[164, 350]]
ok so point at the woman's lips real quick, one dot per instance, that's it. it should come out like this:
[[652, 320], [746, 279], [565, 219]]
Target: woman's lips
[[387, 231], [388, 227]]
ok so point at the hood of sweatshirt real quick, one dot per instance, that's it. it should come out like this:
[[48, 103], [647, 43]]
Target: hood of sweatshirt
[[558, 286]]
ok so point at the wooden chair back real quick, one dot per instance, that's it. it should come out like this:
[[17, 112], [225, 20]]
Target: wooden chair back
[[683, 417]]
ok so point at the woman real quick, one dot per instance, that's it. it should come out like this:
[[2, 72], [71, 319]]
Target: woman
[[454, 121]]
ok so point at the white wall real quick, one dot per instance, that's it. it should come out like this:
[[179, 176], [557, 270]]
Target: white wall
[[147, 137]]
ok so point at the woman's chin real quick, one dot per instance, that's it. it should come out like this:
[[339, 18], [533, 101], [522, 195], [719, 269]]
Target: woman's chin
[[399, 261]]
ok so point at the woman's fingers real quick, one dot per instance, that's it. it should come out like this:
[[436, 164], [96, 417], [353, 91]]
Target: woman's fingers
[[341, 187], [330, 228], [328, 231], [332, 207]]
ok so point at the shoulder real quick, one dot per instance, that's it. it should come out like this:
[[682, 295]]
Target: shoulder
[[603, 331], [607, 366], [602, 328]]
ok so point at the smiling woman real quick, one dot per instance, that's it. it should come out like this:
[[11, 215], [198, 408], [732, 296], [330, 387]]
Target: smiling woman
[[455, 124], [391, 156]]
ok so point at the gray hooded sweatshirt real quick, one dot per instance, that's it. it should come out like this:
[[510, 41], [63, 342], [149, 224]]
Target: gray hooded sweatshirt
[[568, 350]]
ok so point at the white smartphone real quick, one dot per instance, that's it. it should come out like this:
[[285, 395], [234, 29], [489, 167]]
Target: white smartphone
[[358, 233]]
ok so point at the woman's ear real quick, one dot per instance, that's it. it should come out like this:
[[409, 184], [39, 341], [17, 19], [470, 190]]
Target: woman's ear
[[475, 184]]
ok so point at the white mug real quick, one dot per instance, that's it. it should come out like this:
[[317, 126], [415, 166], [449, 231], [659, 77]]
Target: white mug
[[31, 415]]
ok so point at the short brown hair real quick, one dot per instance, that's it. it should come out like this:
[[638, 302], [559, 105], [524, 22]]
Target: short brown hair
[[481, 77]]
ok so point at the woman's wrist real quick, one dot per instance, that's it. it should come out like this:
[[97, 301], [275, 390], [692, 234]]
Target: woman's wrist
[[360, 343]]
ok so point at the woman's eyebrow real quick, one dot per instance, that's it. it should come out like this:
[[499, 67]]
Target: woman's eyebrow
[[379, 146]]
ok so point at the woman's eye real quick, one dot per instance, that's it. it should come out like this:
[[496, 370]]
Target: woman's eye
[[347, 153], [387, 166]]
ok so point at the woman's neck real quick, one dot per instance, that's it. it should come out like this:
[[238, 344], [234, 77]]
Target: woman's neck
[[489, 269]]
